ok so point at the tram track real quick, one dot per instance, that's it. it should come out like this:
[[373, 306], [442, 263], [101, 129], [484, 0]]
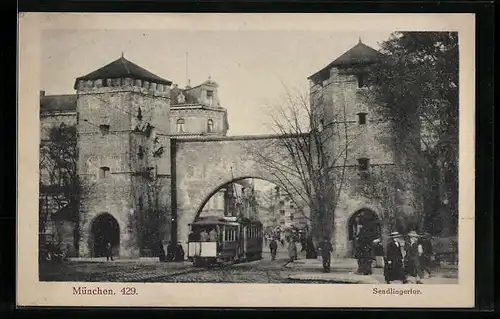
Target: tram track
[[222, 269]]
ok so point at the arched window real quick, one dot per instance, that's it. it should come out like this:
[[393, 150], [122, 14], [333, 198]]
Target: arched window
[[210, 126], [180, 125]]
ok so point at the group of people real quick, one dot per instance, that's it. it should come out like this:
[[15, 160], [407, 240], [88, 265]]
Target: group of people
[[305, 243], [204, 235], [409, 257]]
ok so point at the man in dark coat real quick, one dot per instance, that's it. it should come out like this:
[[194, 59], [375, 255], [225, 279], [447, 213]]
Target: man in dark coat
[[109, 251], [310, 250], [426, 258], [364, 252], [326, 249], [273, 247], [394, 266], [412, 257]]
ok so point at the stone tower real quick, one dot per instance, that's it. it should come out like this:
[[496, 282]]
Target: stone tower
[[124, 160], [337, 96]]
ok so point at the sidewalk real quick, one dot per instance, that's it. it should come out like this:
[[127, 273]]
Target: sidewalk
[[343, 272]]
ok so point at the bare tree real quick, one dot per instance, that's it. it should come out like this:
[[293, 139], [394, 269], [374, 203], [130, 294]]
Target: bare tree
[[61, 187], [312, 168]]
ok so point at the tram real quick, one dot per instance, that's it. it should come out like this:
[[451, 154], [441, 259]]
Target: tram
[[231, 239]]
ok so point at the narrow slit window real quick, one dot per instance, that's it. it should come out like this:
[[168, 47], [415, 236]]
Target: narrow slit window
[[104, 172], [140, 153], [361, 80], [362, 118]]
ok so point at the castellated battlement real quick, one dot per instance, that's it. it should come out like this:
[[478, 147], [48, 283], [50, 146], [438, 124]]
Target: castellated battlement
[[123, 84]]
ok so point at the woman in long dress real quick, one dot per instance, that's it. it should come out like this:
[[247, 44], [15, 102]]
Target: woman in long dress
[[394, 266]]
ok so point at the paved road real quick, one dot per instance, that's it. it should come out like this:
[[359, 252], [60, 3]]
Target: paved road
[[263, 270]]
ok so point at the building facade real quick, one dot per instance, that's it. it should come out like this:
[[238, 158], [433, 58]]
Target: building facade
[[126, 118]]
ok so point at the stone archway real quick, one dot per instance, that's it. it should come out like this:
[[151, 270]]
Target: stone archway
[[366, 218], [104, 228]]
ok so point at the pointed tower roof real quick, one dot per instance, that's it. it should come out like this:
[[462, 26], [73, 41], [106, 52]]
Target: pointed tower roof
[[357, 55], [122, 68]]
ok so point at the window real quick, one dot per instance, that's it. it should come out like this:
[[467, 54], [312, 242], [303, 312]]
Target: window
[[291, 206], [210, 97], [140, 153], [363, 164], [291, 216], [361, 80], [361, 118], [141, 204], [282, 211], [104, 129], [210, 126], [104, 172], [180, 125]]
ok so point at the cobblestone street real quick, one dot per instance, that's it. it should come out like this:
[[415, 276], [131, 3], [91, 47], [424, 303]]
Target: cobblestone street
[[261, 271], [265, 271]]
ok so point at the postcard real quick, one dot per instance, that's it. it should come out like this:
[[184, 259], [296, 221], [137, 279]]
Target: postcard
[[246, 160]]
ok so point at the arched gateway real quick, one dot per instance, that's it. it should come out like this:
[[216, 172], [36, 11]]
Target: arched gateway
[[203, 166], [363, 218], [104, 228]]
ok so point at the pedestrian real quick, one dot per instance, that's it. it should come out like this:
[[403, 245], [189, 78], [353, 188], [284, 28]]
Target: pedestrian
[[109, 251], [326, 249], [303, 243], [378, 253], [428, 254], [292, 250], [364, 252], [412, 258], [161, 252], [212, 235], [180, 254], [394, 259], [170, 251], [310, 250], [273, 247], [204, 235]]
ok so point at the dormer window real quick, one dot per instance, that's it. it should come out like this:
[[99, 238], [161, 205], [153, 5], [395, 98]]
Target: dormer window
[[210, 97], [104, 128], [181, 98], [180, 126], [210, 126], [104, 172], [361, 118]]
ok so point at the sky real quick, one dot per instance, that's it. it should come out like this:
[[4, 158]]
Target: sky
[[253, 68]]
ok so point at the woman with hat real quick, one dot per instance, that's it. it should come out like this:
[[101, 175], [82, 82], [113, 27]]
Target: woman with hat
[[394, 265], [412, 258]]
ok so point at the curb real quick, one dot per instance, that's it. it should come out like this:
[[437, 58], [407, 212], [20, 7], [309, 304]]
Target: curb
[[339, 280]]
